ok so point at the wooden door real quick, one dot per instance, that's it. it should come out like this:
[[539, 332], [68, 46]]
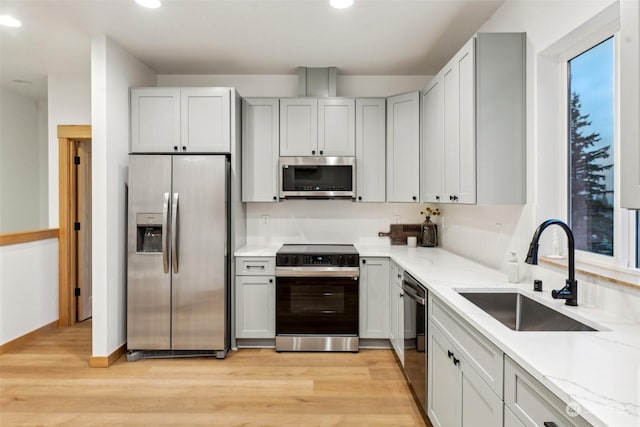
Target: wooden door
[[83, 235]]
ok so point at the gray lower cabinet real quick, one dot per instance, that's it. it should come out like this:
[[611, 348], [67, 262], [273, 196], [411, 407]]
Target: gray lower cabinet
[[532, 403], [396, 311], [458, 397], [464, 372], [510, 420], [255, 304], [374, 298]]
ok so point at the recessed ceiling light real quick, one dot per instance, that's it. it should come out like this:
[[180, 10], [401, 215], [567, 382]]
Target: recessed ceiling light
[[151, 4], [341, 4], [9, 21]]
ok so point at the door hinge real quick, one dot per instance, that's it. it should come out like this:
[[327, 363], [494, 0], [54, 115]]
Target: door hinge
[[76, 292], [76, 226], [76, 160]]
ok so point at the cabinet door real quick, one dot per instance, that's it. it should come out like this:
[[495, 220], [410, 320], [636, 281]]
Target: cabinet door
[[255, 307], [403, 147], [432, 141], [451, 152], [444, 383], [155, 120], [465, 61], [298, 127], [206, 122], [336, 127], [459, 127], [260, 145], [374, 298], [480, 406], [371, 150]]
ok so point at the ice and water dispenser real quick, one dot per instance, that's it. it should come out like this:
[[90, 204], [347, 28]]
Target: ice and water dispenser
[[149, 232]]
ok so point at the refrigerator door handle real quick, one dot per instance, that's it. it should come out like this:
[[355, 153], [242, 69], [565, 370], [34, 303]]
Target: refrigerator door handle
[[174, 232], [165, 226]]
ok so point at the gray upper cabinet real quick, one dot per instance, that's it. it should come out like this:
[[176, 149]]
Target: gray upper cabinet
[[169, 120], [205, 120], [473, 139], [431, 153], [260, 142], [630, 104], [403, 147], [298, 127], [317, 127], [155, 120], [371, 149], [336, 127]]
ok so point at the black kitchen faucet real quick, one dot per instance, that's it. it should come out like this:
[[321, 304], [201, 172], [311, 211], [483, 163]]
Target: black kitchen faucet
[[570, 291]]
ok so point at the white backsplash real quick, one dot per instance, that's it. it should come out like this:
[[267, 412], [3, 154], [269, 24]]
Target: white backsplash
[[326, 221]]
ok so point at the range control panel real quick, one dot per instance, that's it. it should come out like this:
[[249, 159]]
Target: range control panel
[[304, 256]]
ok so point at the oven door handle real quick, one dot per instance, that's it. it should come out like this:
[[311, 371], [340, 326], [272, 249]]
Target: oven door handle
[[352, 272]]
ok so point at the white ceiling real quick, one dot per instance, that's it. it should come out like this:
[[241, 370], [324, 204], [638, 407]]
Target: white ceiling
[[374, 37]]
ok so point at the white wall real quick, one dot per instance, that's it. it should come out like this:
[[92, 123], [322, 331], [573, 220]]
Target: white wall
[[69, 101], [113, 72], [29, 291], [20, 163]]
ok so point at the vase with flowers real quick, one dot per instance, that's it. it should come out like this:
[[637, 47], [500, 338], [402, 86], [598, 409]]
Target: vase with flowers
[[429, 231]]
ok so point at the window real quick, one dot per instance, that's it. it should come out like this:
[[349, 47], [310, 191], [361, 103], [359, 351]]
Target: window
[[591, 140]]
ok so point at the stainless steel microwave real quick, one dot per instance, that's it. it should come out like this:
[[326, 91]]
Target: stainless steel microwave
[[318, 177]]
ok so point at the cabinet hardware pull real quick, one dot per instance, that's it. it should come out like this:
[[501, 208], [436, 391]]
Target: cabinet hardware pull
[[359, 197], [175, 148], [364, 261], [449, 353], [550, 424], [456, 361], [321, 152], [437, 198], [270, 280], [275, 198], [184, 148], [414, 198], [313, 151]]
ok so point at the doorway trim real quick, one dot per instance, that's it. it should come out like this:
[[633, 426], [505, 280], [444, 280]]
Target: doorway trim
[[67, 135]]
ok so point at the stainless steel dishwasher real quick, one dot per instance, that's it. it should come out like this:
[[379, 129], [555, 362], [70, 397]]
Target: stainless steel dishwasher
[[415, 344]]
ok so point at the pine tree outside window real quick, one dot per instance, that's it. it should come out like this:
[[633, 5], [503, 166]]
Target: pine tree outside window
[[591, 124]]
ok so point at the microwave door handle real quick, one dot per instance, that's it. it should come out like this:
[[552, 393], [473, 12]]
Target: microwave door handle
[[165, 226]]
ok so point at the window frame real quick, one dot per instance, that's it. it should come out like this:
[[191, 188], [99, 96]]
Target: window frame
[[625, 224]]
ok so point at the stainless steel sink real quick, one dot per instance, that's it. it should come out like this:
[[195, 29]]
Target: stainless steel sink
[[521, 313]]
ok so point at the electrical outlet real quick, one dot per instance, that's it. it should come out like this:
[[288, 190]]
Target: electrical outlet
[[264, 219]]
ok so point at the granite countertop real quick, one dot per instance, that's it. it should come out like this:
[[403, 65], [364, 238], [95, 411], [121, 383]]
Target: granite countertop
[[599, 371]]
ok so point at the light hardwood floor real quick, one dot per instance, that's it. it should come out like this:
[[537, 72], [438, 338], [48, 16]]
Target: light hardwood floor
[[49, 382]]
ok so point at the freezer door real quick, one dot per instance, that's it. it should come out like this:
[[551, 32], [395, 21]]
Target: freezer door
[[199, 265], [148, 277]]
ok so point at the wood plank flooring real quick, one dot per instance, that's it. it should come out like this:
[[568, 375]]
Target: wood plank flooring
[[49, 382]]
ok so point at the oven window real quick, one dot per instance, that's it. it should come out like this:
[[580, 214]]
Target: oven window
[[317, 178], [310, 299], [316, 306]]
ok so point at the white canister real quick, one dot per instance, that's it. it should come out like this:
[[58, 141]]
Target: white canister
[[412, 241]]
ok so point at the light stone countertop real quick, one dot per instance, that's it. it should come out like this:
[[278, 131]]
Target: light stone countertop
[[600, 371]]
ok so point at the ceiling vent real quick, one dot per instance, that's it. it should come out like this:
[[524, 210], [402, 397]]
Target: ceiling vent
[[317, 82]]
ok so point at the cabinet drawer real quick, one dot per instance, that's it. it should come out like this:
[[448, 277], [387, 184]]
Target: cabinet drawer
[[531, 402], [255, 266], [486, 358]]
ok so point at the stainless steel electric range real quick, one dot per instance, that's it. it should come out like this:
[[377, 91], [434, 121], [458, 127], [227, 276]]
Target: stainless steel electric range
[[317, 298]]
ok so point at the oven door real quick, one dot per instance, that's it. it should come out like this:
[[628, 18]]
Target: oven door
[[325, 306]]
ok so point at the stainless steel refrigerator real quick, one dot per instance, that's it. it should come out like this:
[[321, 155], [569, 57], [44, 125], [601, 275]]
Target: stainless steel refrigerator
[[178, 244]]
